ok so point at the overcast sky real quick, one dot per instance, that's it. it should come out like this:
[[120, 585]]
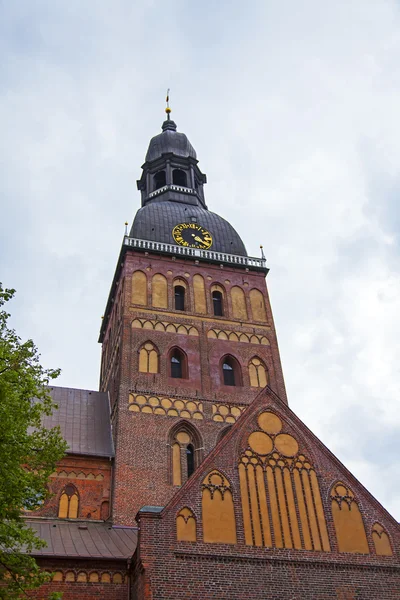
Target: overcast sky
[[294, 110]]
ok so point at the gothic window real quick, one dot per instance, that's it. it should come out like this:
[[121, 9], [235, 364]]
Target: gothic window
[[217, 303], [139, 288], [179, 297], [178, 364], [159, 180], [148, 358], [186, 446], [257, 373], [69, 502], [230, 371], [381, 541], [186, 525], [219, 525], [239, 309], [179, 177], [349, 525], [281, 499], [257, 305]]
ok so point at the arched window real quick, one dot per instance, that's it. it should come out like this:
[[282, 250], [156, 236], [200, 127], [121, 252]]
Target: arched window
[[179, 297], [179, 177], [178, 364], [159, 180], [217, 303], [231, 374], [257, 373], [148, 358], [69, 502], [186, 452]]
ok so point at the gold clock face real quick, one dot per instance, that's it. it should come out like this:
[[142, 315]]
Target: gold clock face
[[192, 235]]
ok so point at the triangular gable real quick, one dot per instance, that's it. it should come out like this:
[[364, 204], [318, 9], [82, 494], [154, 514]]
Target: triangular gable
[[271, 483]]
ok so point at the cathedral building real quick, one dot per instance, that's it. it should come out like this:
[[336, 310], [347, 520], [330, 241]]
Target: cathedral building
[[187, 475]]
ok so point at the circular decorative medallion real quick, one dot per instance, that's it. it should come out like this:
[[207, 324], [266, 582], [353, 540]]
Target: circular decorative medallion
[[269, 422], [260, 443], [286, 444], [192, 235]]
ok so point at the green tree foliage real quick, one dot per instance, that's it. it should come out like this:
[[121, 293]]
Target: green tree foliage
[[28, 455]]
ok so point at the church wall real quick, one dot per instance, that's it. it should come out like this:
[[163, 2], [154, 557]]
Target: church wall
[[91, 478], [256, 566], [84, 579]]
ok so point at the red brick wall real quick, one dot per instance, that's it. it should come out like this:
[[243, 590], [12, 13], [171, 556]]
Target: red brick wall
[[167, 569], [142, 466], [79, 590], [92, 479]]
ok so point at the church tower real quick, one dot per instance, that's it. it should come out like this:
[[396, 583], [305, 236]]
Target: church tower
[[188, 337]]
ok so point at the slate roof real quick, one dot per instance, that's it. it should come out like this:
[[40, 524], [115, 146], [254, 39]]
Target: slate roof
[[84, 419], [84, 539], [156, 220], [169, 141]]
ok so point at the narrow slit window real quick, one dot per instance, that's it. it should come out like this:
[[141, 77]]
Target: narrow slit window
[[217, 304], [179, 297], [190, 460]]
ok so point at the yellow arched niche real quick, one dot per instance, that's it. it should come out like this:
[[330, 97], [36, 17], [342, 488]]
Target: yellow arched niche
[[139, 288], [200, 304], [185, 525], [148, 358], [219, 525], [257, 373], [239, 309], [159, 291], [257, 305], [349, 526], [381, 541]]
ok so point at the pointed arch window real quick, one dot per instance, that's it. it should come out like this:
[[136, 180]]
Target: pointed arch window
[[217, 303], [186, 452], [159, 180], [179, 177], [178, 364], [258, 373], [230, 371], [69, 503], [148, 358], [179, 297]]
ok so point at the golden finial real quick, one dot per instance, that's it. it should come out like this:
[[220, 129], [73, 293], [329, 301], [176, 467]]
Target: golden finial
[[167, 110], [126, 227]]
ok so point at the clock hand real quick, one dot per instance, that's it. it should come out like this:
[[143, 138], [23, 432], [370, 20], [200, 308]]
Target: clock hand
[[198, 239]]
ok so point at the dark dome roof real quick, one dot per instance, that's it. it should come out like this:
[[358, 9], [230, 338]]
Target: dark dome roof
[[169, 141], [156, 220]]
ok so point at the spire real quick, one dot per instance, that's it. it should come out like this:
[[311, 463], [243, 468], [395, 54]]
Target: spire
[[168, 125]]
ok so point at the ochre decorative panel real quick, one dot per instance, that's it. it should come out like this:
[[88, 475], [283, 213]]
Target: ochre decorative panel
[[219, 525], [139, 288], [275, 478], [239, 309], [381, 541], [257, 305], [159, 291], [349, 526], [257, 373], [237, 336], [148, 358], [200, 304], [171, 407], [226, 413], [176, 465], [163, 326], [186, 526]]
